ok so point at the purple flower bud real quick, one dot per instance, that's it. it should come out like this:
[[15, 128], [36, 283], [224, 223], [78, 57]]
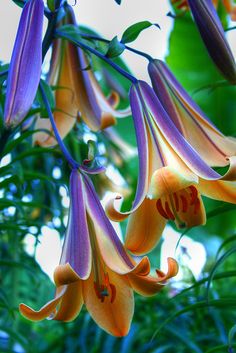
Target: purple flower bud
[[213, 36], [25, 65]]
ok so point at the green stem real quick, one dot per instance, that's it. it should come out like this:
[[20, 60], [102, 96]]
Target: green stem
[[98, 54], [136, 51]]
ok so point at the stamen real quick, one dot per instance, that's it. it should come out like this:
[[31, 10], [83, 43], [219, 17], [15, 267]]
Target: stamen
[[97, 291], [169, 212], [161, 209], [113, 292], [184, 203], [197, 206], [194, 194], [176, 200]]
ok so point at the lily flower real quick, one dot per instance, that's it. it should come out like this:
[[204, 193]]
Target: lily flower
[[172, 176], [95, 269], [78, 92], [25, 66], [213, 36], [190, 120]]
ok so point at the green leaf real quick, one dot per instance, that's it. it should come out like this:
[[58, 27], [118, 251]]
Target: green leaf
[[215, 267], [51, 5], [221, 348], [132, 32], [231, 336], [20, 3], [12, 143], [115, 48], [33, 152], [223, 303]]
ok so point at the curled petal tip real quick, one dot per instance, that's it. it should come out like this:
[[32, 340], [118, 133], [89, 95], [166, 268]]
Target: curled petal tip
[[112, 211], [173, 269]]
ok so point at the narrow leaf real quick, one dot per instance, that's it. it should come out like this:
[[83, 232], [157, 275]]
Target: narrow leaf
[[132, 32]]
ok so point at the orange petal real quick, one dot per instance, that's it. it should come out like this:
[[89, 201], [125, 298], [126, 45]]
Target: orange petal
[[71, 303], [65, 98], [64, 274], [210, 143], [67, 302], [173, 269], [167, 180], [115, 317], [151, 285], [219, 190], [144, 228], [47, 310], [113, 213]]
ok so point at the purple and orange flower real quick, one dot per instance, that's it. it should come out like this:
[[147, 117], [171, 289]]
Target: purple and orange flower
[[95, 269], [172, 176], [190, 120], [78, 92]]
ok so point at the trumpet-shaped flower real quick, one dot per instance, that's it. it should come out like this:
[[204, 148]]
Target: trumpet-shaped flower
[[210, 143], [212, 33], [77, 91], [172, 176], [25, 66], [95, 269]]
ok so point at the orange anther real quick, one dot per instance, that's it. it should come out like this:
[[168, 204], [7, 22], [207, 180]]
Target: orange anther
[[161, 209], [176, 200], [194, 194], [113, 292], [197, 206], [169, 212], [184, 203]]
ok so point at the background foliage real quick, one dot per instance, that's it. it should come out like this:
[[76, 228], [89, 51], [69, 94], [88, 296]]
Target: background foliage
[[198, 317]]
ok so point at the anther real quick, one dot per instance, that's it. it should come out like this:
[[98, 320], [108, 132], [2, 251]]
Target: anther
[[194, 194], [197, 206], [161, 209], [113, 292], [169, 212], [184, 203], [176, 200]]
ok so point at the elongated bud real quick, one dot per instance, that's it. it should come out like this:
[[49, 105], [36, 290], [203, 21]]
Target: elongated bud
[[213, 36], [25, 65]]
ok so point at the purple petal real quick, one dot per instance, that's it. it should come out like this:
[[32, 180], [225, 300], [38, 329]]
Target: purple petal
[[100, 221], [94, 111], [179, 144], [162, 79], [160, 86], [76, 249], [94, 169], [25, 65], [213, 36], [142, 144], [194, 125]]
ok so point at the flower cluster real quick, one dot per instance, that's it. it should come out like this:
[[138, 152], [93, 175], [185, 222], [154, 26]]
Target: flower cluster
[[178, 150]]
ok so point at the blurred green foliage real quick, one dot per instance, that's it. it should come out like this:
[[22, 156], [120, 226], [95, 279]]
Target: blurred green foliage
[[194, 317]]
